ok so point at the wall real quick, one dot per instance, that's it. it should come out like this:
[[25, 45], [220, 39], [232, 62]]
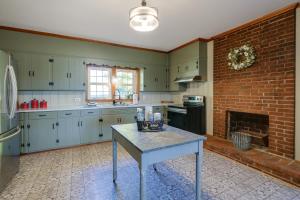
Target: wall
[[267, 87], [18, 41], [202, 88], [297, 139]]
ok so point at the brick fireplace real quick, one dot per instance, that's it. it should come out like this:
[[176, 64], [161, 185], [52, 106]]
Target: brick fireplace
[[255, 125], [267, 88]]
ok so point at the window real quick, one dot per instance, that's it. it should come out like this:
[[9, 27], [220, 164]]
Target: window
[[126, 82], [108, 83], [99, 83]]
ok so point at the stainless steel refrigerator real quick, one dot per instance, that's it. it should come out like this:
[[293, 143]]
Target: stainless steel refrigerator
[[9, 130]]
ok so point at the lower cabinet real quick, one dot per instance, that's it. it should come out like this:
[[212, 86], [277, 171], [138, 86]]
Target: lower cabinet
[[68, 132], [90, 130], [50, 130], [42, 134]]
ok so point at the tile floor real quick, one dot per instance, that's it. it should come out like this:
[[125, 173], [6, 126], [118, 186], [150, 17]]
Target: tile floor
[[86, 173]]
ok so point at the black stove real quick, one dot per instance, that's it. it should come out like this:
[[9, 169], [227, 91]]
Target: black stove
[[190, 115]]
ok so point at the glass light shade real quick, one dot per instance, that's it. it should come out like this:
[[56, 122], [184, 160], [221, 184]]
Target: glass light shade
[[143, 19]]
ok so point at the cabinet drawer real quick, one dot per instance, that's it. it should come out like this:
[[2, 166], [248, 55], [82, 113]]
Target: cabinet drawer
[[118, 111], [90, 112], [69, 113], [43, 115], [157, 109]]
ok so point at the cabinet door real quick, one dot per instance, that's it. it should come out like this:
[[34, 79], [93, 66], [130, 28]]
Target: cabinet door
[[42, 72], [23, 66], [90, 130], [161, 79], [77, 70], [68, 132], [150, 79], [42, 134], [174, 73], [60, 73], [107, 121], [128, 118]]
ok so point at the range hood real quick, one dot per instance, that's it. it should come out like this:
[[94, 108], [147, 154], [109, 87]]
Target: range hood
[[188, 79]]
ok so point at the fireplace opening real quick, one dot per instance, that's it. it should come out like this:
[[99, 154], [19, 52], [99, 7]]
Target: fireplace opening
[[255, 125]]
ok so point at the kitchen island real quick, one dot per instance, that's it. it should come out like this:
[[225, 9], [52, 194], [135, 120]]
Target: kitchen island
[[149, 148]]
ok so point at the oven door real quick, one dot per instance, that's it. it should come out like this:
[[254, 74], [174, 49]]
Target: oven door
[[177, 117]]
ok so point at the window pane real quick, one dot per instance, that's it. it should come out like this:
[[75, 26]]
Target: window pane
[[99, 81]]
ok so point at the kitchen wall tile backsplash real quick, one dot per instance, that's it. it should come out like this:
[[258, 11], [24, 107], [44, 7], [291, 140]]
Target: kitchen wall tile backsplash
[[54, 98], [63, 98]]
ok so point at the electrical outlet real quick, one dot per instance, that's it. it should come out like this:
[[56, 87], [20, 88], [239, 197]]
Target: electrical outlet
[[77, 100]]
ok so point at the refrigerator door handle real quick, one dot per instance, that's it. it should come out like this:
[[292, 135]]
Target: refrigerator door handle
[[17, 132], [14, 91]]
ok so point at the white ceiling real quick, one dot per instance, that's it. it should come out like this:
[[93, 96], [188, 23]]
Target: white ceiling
[[107, 20]]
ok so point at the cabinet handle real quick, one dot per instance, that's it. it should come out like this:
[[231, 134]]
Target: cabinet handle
[[57, 124], [22, 145], [32, 73], [29, 73], [42, 115], [28, 144], [81, 123], [178, 69], [51, 60], [28, 126], [101, 135], [90, 112], [53, 126], [100, 120], [57, 141], [67, 75], [68, 114], [78, 124], [70, 75]]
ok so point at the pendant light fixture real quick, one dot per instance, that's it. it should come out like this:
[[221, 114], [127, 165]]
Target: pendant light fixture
[[143, 18]]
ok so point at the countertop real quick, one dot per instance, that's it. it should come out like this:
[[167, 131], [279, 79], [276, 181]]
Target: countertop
[[85, 107], [149, 141]]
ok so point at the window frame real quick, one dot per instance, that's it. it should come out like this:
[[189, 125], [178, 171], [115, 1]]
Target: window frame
[[113, 85]]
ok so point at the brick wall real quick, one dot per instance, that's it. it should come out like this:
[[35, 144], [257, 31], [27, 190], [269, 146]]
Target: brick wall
[[267, 87]]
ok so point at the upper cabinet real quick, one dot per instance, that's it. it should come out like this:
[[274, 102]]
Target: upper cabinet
[[187, 63], [47, 72], [155, 79]]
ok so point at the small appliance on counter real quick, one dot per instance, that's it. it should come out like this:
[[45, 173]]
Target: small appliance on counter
[[92, 103], [24, 105], [43, 104], [135, 99], [34, 103]]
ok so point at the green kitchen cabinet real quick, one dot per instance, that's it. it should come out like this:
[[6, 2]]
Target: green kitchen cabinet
[[77, 74], [68, 132], [23, 66], [90, 126], [107, 121], [60, 70], [34, 71], [41, 74], [42, 134], [155, 79]]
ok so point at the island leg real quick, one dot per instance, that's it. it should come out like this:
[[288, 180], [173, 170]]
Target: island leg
[[142, 183], [115, 159], [154, 167], [199, 158]]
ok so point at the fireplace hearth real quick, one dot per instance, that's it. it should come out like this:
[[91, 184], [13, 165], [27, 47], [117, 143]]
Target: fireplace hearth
[[255, 125]]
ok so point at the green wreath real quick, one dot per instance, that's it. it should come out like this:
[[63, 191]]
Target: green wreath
[[241, 57]]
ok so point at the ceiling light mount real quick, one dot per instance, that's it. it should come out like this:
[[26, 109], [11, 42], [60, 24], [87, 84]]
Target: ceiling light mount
[[143, 18]]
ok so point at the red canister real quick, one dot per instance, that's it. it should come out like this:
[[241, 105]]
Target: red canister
[[34, 103], [43, 104], [24, 105]]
